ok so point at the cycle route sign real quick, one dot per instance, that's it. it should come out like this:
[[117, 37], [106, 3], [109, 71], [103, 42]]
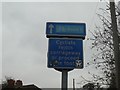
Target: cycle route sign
[[64, 29], [65, 53]]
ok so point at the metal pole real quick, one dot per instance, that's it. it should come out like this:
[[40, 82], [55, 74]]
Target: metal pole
[[64, 79], [115, 43], [73, 84]]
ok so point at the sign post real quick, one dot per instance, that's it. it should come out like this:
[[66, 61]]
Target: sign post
[[64, 79], [65, 50]]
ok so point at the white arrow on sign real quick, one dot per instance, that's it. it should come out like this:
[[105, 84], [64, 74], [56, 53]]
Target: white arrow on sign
[[51, 28]]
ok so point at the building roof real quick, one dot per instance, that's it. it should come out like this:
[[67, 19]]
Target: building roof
[[24, 87], [29, 87]]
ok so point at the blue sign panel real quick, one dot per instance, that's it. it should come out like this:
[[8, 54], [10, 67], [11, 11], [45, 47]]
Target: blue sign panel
[[65, 53], [66, 29]]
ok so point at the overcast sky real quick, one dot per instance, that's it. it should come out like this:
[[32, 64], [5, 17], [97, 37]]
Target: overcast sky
[[25, 46]]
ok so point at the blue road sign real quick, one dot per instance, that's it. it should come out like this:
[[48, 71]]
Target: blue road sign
[[65, 53], [65, 29]]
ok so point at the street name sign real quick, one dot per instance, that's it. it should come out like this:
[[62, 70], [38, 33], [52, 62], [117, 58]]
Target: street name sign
[[59, 29], [65, 53]]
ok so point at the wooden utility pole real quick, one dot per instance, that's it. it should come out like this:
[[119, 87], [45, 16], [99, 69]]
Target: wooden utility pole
[[115, 43]]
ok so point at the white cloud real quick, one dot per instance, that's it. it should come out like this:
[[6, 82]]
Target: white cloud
[[50, 1], [25, 43]]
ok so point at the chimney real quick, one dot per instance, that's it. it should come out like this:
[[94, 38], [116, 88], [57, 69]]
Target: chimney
[[19, 83], [11, 83]]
